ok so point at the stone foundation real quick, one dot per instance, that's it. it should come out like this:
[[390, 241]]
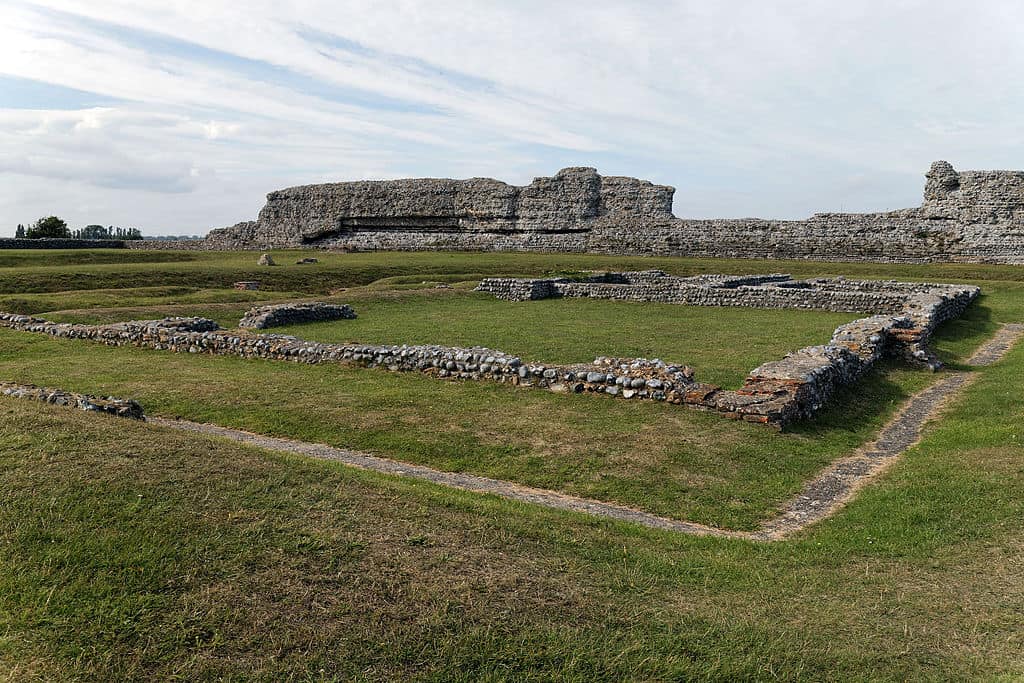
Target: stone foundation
[[629, 378], [801, 383], [775, 394], [112, 406], [261, 317]]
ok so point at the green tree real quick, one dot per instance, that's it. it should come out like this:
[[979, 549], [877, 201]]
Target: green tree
[[20, 232], [95, 232], [51, 226]]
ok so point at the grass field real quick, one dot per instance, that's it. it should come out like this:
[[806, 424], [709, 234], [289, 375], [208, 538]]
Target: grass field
[[127, 552]]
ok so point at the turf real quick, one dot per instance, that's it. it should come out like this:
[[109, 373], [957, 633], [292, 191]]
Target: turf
[[723, 344], [53, 271], [128, 553]]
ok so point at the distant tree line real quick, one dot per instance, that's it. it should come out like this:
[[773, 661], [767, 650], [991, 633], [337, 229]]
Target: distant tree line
[[54, 227]]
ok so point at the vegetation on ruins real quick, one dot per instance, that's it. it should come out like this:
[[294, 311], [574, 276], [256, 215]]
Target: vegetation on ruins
[[128, 551]]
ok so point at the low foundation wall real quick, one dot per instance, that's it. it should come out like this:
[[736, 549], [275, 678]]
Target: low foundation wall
[[60, 243], [112, 406], [798, 385], [628, 378], [261, 317], [774, 394]]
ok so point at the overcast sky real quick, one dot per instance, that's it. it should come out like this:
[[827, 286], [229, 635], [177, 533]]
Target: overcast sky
[[178, 116]]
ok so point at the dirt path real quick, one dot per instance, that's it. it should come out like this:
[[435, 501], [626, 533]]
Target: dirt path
[[823, 496]]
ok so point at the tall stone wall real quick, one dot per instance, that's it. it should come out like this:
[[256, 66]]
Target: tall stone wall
[[478, 213], [970, 216]]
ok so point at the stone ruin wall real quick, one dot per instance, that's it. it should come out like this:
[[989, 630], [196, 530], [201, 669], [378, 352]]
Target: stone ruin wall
[[970, 216], [776, 393], [109, 405], [797, 386], [60, 243], [279, 315]]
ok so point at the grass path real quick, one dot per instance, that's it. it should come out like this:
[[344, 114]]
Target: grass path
[[822, 497]]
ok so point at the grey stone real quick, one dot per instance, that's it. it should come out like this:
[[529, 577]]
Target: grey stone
[[966, 216]]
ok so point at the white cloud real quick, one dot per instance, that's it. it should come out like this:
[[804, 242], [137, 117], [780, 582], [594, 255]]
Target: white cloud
[[749, 108]]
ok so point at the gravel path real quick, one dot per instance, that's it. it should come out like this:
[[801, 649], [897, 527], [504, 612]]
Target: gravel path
[[822, 497], [467, 482], [834, 487]]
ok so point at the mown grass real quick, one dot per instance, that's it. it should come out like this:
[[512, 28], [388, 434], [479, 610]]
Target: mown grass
[[132, 297], [658, 457], [724, 344], [661, 458], [129, 552], [53, 271]]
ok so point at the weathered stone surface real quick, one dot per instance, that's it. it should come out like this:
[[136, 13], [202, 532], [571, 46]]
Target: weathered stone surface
[[969, 216], [798, 385], [109, 405], [655, 379], [278, 315], [444, 213], [266, 260]]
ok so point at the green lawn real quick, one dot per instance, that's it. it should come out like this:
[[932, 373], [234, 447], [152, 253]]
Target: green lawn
[[722, 344], [127, 552], [132, 553]]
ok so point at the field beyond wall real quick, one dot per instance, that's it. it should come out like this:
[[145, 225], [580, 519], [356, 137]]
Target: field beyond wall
[[129, 551]]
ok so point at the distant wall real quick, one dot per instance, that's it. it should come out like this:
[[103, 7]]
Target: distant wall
[[175, 245], [60, 243], [970, 216]]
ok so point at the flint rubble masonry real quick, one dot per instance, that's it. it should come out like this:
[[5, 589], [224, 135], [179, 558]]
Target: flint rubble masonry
[[261, 317], [774, 394], [797, 386], [640, 378], [966, 216], [112, 406]]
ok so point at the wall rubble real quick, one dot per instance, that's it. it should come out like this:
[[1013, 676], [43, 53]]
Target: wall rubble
[[279, 315], [112, 406]]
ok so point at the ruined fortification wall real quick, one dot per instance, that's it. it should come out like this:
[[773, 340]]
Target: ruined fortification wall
[[479, 213], [970, 216]]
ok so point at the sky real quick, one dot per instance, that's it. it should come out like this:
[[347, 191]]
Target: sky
[[179, 116]]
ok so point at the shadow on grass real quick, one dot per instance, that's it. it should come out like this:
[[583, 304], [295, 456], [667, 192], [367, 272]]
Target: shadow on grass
[[872, 399], [955, 340], [867, 403]]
